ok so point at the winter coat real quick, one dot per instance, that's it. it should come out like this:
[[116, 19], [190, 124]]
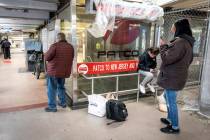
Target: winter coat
[[6, 44], [60, 58], [146, 62], [176, 59]]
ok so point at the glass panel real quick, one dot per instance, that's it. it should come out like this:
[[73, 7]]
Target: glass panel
[[128, 35], [128, 82], [125, 37]]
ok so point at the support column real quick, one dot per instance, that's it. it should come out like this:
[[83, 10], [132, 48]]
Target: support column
[[158, 25], [57, 27], [205, 82], [157, 35], [73, 32]]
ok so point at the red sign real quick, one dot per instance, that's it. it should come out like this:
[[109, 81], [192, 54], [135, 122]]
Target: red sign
[[107, 67]]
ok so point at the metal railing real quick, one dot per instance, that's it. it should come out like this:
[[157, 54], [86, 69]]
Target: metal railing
[[117, 91]]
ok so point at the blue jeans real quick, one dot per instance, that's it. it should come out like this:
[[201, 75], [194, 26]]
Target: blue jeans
[[55, 86], [170, 96]]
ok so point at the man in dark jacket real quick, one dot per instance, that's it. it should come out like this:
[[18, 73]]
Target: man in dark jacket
[[176, 59], [6, 49], [146, 67], [60, 58], [2, 50]]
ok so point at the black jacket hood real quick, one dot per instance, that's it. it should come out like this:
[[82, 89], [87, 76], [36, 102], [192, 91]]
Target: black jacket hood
[[190, 39]]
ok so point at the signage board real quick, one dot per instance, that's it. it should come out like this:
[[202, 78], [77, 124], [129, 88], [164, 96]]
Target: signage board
[[107, 67]]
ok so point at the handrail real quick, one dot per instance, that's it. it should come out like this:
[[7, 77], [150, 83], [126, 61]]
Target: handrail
[[117, 83], [108, 76]]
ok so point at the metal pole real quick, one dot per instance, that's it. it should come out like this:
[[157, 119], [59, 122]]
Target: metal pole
[[57, 27], [117, 85], [156, 92], [138, 88], [74, 43], [205, 83], [92, 86], [157, 35]]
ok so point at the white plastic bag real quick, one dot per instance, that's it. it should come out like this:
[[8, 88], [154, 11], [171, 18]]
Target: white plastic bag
[[162, 103], [161, 99], [97, 105]]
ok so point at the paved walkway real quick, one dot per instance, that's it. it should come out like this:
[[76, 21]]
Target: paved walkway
[[142, 124], [19, 90]]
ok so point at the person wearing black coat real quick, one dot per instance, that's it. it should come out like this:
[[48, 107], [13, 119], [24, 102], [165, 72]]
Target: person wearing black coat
[[2, 49], [176, 59], [146, 67], [6, 48]]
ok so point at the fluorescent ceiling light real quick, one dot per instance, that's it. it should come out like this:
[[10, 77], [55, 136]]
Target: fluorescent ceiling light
[[163, 2]]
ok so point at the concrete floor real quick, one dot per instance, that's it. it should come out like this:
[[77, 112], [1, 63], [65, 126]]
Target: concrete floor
[[142, 124], [19, 90]]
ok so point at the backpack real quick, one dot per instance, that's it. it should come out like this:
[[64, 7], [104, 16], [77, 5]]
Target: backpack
[[116, 110], [6, 44]]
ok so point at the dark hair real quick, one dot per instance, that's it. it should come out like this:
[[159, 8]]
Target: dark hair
[[154, 50], [182, 27]]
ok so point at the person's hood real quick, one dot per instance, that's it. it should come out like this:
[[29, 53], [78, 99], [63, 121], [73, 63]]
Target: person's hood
[[190, 39], [146, 53]]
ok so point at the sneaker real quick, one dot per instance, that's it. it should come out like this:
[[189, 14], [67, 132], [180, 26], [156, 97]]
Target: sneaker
[[169, 130], [63, 106], [142, 89], [47, 109], [165, 121], [152, 89]]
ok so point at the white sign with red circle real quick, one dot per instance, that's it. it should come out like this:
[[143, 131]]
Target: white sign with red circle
[[83, 69]]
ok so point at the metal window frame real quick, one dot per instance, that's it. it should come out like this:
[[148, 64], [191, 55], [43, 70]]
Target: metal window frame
[[73, 39]]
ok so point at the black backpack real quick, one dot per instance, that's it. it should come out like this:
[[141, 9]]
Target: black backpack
[[116, 110]]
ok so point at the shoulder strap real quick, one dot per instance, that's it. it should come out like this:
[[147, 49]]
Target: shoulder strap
[[116, 112], [109, 123], [108, 111]]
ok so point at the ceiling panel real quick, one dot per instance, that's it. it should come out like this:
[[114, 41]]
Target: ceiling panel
[[20, 21], [50, 1], [28, 4], [181, 4], [25, 14]]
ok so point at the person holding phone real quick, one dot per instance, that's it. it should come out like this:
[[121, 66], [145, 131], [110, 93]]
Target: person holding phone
[[176, 59]]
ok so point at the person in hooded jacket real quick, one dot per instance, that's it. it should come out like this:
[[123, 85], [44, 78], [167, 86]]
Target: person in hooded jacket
[[147, 67], [176, 59]]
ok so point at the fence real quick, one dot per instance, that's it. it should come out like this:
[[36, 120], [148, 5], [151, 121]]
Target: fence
[[199, 24]]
